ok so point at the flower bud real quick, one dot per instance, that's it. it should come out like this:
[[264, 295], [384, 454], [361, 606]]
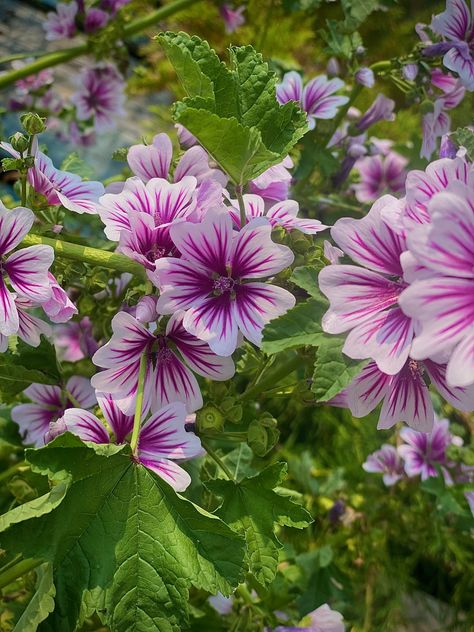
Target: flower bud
[[19, 142], [33, 123], [262, 435], [426, 107], [209, 420]]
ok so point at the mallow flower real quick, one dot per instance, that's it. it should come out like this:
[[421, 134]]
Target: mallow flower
[[59, 307], [386, 461], [163, 437], [380, 174], [48, 405], [323, 619], [317, 98], [214, 281], [172, 355], [61, 24], [26, 269], [75, 340], [233, 18]]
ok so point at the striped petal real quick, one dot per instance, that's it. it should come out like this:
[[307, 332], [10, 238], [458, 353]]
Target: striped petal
[[171, 201], [459, 397], [120, 423], [82, 392], [461, 363], [172, 381], [285, 214], [367, 390], [30, 328], [290, 89], [151, 161], [85, 425], [182, 284], [257, 304], [114, 208], [33, 422], [255, 255], [45, 394], [28, 272], [214, 321], [197, 353], [170, 472], [317, 100], [129, 340], [9, 318], [14, 226], [455, 22]]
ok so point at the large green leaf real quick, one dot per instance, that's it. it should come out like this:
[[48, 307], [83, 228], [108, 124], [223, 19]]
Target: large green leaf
[[42, 602], [124, 541], [254, 508], [299, 327], [233, 111], [333, 370]]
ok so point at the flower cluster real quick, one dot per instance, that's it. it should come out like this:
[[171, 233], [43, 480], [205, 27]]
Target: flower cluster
[[68, 18]]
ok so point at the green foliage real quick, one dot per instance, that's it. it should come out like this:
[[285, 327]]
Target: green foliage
[[254, 508], [232, 111], [42, 602], [120, 538], [75, 164], [299, 327], [464, 137], [333, 370]]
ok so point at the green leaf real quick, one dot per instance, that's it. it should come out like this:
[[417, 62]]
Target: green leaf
[[74, 164], [42, 602], [333, 370], [464, 137], [233, 111], [123, 540], [306, 277], [359, 10], [299, 327], [253, 508]]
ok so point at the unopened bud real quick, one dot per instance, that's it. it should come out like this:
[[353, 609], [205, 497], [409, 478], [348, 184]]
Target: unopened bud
[[33, 123], [209, 420], [19, 142]]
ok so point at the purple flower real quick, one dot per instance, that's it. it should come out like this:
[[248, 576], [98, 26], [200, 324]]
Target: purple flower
[[422, 452], [113, 5], [380, 174], [214, 280], [274, 183], [410, 71], [447, 148], [332, 253], [163, 437], [61, 24], [233, 18], [282, 214], [25, 269], [405, 395], [364, 300], [32, 83], [59, 306], [75, 341], [100, 96], [323, 619], [365, 77], [222, 605], [457, 27], [386, 461], [316, 98], [49, 404], [169, 354], [95, 19], [186, 139], [442, 295], [61, 187], [380, 110]]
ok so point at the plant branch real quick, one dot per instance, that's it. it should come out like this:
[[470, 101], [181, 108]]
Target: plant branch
[[138, 405], [18, 570], [271, 379], [94, 256], [61, 56], [243, 214], [217, 459], [12, 470]]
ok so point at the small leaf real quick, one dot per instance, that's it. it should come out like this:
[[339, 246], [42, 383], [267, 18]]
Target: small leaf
[[254, 509], [306, 277], [42, 602], [333, 370], [299, 327]]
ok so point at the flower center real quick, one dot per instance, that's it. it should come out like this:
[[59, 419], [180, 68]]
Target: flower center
[[223, 284], [416, 368], [155, 252]]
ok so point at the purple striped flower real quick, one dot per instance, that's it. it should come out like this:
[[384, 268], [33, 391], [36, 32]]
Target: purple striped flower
[[171, 354], [274, 183], [380, 174], [443, 296], [95, 19], [60, 187], [323, 619], [365, 77], [456, 25], [30, 327], [233, 18], [317, 98], [49, 404], [284, 214], [386, 461], [364, 300], [380, 110], [405, 395], [75, 340], [163, 437], [214, 280], [59, 306], [61, 24], [422, 452], [26, 270], [100, 96]]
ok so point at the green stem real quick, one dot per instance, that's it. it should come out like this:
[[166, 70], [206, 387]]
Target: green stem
[[273, 377], [18, 570], [11, 470], [61, 56], [217, 459], [94, 256], [240, 198], [139, 404]]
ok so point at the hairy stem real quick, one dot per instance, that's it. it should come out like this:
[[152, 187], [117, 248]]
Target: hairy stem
[[240, 198], [94, 256], [61, 56], [18, 570], [138, 405], [271, 379], [217, 459]]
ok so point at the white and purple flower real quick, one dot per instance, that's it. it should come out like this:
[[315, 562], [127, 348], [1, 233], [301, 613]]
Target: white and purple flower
[[274, 183], [380, 110], [48, 405], [380, 174], [214, 280], [61, 24], [386, 461], [171, 358], [75, 340], [233, 18], [317, 98]]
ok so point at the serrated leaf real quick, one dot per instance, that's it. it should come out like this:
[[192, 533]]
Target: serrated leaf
[[299, 327], [306, 277], [333, 370], [359, 10], [42, 602], [122, 536], [253, 508]]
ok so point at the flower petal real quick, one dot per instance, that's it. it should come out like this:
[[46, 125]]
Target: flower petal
[[45, 394], [454, 22], [85, 425], [172, 381], [163, 435], [28, 272], [290, 89], [182, 284], [171, 201], [151, 161], [14, 226], [170, 472], [33, 421], [120, 423], [367, 390], [30, 328], [9, 318], [460, 397], [215, 322], [461, 363], [285, 214], [129, 340], [81, 390]]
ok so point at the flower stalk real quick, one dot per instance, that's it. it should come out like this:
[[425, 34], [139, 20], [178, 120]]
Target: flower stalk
[[138, 405]]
